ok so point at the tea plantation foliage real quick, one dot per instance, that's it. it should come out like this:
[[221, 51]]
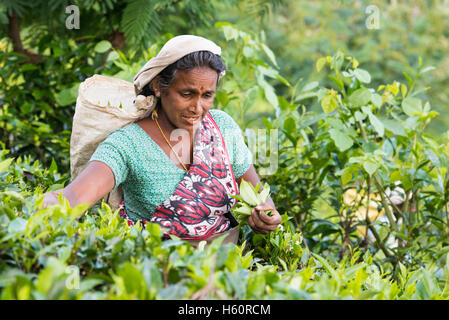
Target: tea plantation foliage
[[364, 138], [54, 253]]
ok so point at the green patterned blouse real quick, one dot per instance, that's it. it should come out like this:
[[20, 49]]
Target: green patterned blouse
[[147, 175]]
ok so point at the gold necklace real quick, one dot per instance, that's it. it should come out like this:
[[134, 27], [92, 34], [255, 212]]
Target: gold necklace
[[154, 116]]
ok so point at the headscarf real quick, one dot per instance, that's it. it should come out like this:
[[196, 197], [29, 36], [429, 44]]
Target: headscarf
[[172, 51]]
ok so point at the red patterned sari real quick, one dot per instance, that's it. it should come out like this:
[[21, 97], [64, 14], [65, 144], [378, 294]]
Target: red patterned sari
[[200, 206]]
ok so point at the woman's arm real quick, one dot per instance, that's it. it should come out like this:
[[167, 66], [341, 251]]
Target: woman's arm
[[94, 182], [259, 221]]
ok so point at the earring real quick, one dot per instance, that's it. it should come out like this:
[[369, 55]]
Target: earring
[[154, 114]]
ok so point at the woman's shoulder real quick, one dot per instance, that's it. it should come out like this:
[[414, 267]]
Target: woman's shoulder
[[127, 131], [124, 136], [223, 119]]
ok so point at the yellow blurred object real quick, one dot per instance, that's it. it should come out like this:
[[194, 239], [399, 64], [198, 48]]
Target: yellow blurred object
[[352, 198], [3, 46]]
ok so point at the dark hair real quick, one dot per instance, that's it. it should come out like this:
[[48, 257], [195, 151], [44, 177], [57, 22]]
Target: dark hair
[[188, 62]]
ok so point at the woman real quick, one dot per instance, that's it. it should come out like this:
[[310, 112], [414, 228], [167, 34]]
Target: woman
[[187, 192]]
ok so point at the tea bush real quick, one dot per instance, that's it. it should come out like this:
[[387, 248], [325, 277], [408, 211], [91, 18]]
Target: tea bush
[[371, 140], [60, 253]]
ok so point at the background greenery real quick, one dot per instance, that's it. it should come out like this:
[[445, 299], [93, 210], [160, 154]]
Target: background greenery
[[355, 108]]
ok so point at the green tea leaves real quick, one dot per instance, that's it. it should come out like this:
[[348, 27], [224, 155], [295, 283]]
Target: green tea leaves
[[342, 141], [411, 106], [394, 126], [370, 166], [5, 164], [362, 75], [375, 122], [248, 193], [102, 46], [320, 64], [18, 225], [360, 97], [329, 103], [249, 198]]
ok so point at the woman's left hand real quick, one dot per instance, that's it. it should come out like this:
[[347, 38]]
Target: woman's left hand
[[260, 222]]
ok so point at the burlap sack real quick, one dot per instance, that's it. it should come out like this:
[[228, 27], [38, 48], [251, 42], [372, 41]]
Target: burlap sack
[[104, 104]]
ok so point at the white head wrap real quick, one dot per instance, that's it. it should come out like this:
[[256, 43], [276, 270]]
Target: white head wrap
[[172, 51]]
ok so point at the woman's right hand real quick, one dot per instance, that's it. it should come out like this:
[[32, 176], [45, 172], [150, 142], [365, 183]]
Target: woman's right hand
[[51, 198], [92, 184]]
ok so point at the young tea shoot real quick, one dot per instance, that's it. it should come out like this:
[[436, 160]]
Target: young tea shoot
[[248, 199]]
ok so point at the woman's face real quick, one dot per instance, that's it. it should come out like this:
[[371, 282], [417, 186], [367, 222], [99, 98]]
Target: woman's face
[[189, 97]]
